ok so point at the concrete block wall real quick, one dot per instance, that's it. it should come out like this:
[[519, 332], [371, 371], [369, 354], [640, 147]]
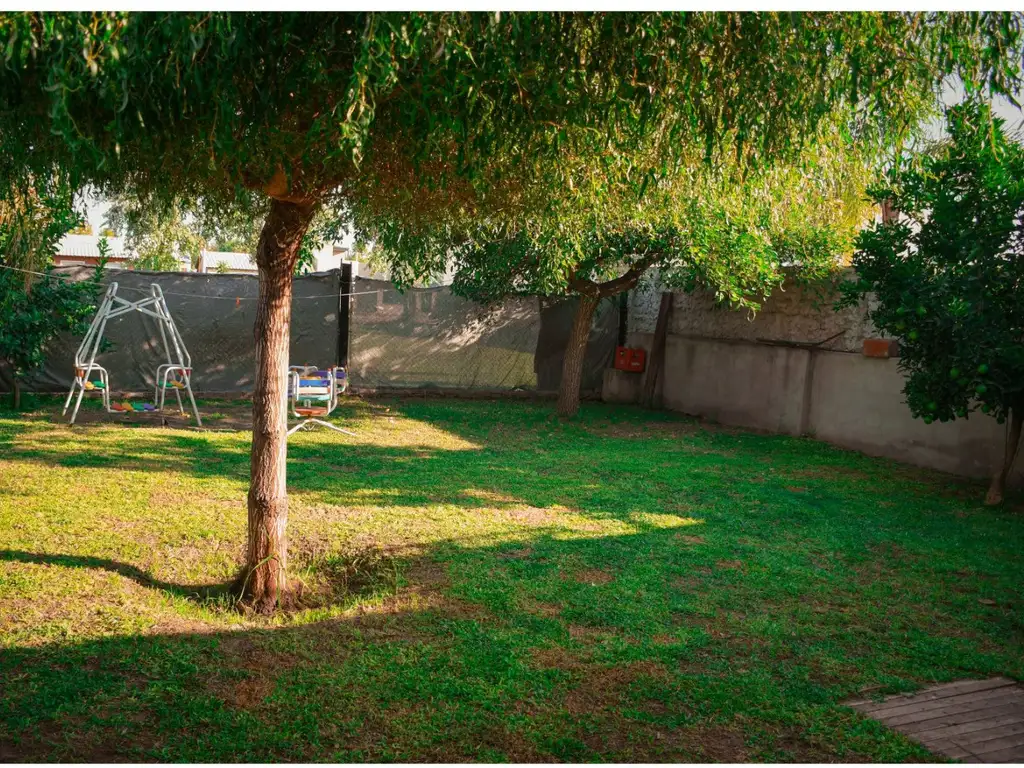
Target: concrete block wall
[[793, 313], [857, 402], [834, 395]]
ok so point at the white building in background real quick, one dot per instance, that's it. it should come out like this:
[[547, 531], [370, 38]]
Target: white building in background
[[327, 258], [228, 262], [84, 251]]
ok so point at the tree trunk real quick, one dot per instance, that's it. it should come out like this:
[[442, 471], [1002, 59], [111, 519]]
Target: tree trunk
[[998, 486], [267, 550], [16, 393], [657, 359], [575, 351]]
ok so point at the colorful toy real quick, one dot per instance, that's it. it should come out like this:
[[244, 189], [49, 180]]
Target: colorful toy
[[175, 374], [126, 407], [314, 392]]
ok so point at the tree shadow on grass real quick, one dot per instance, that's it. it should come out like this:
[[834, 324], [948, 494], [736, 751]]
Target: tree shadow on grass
[[523, 458], [136, 450], [197, 592], [641, 647], [549, 472]]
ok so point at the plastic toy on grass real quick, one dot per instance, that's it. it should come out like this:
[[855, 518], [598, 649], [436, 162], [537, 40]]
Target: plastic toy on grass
[[314, 392], [127, 407], [175, 374]]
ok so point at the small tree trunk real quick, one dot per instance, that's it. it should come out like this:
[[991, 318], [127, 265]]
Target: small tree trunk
[[998, 486], [267, 550], [657, 359], [16, 393], [575, 351]]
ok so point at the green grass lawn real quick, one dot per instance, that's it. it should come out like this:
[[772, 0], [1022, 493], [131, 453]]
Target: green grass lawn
[[486, 582]]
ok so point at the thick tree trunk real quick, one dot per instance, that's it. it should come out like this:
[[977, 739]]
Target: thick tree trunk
[[998, 486], [267, 550], [575, 351]]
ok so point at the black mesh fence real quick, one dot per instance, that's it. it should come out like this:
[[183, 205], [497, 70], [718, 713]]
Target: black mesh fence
[[423, 338], [215, 315], [431, 338]]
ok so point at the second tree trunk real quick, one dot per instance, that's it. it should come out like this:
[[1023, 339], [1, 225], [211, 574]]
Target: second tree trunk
[[575, 352], [998, 485]]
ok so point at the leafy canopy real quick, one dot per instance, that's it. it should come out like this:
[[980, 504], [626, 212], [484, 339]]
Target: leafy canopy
[[719, 224], [948, 274], [706, 208], [294, 105]]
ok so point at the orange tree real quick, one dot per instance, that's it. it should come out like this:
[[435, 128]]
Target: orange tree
[[291, 107], [947, 275]]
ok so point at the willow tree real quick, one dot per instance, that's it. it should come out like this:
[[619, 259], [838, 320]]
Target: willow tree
[[778, 190], [709, 223], [287, 106]]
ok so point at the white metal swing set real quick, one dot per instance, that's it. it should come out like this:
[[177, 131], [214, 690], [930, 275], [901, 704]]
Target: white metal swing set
[[175, 374]]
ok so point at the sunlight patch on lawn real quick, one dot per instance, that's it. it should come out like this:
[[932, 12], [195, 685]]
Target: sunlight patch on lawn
[[650, 520], [394, 431]]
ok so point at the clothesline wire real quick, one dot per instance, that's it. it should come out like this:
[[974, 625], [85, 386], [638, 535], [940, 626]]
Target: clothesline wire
[[206, 295]]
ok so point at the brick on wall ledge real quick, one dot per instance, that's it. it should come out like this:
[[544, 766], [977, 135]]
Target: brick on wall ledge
[[883, 348]]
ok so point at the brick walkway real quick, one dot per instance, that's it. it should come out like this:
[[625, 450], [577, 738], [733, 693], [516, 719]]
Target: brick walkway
[[978, 721]]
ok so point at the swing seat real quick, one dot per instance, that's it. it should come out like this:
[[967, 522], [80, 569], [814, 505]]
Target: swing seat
[[313, 394]]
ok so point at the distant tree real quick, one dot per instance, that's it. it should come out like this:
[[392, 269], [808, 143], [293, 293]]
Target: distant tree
[[158, 236], [34, 215], [229, 245], [156, 230], [947, 276], [293, 108]]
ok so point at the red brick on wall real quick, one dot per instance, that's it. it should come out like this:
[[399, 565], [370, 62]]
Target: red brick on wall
[[881, 348]]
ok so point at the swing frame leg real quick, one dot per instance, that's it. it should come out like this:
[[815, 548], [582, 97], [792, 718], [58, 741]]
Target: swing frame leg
[[327, 424], [71, 393]]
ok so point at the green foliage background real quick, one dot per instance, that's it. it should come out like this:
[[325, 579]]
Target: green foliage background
[[34, 309]]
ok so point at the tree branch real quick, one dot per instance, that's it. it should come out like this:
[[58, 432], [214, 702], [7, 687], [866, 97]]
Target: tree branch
[[588, 287]]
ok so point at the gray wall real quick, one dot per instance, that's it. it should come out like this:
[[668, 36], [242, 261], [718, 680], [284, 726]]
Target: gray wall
[[794, 313], [834, 395]]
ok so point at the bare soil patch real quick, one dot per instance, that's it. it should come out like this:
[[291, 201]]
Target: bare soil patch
[[594, 576]]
